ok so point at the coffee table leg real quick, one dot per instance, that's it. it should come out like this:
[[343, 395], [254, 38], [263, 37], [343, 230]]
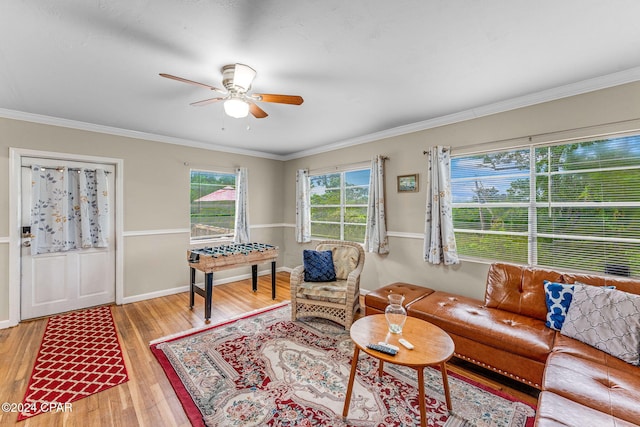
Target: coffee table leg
[[380, 369], [445, 383], [352, 376], [421, 397]]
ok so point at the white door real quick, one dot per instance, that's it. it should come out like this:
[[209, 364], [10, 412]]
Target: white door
[[58, 282]]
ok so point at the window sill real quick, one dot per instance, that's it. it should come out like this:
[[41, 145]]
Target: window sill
[[211, 241]]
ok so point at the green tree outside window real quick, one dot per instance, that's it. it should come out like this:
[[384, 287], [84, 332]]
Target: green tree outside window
[[572, 206], [339, 205]]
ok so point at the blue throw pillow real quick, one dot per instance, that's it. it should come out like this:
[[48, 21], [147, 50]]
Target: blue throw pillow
[[318, 266], [558, 297]]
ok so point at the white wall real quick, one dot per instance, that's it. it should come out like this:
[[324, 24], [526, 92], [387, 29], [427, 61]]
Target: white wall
[[156, 183], [156, 201], [613, 109]]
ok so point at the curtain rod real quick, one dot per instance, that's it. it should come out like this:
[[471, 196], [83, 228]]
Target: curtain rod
[[426, 152], [340, 168], [60, 168], [558, 133]]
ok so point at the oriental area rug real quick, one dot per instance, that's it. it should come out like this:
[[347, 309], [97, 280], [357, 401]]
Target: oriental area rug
[[265, 370], [80, 355]]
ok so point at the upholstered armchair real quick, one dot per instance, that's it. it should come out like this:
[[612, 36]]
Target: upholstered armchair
[[337, 300]]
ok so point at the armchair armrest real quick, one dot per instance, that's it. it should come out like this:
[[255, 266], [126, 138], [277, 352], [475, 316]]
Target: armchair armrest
[[297, 275], [353, 279], [295, 279]]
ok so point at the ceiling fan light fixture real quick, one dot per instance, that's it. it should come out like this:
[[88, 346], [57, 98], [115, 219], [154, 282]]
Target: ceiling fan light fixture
[[244, 76], [236, 108], [237, 102], [238, 77]]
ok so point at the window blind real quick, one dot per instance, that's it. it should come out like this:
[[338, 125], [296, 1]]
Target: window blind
[[573, 206]]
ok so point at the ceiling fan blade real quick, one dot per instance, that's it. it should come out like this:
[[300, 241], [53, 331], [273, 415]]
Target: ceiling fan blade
[[191, 82], [257, 112], [281, 99], [205, 102]]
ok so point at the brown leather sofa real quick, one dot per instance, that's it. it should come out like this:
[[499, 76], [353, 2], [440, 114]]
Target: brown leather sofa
[[580, 385]]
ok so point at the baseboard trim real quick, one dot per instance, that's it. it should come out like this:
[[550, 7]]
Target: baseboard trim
[[4, 324], [179, 289]]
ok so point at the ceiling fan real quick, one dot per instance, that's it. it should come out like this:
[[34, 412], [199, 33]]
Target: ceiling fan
[[237, 79]]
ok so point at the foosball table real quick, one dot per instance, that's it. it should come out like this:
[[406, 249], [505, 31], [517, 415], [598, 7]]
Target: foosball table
[[219, 258]]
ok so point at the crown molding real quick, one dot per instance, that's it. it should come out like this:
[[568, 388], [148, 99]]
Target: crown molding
[[585, 86], [589, 85], [109, 130]]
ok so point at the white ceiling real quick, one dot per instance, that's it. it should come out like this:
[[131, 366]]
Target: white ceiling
[[365, 68]]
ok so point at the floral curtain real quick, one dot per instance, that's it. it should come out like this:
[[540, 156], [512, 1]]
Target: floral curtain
[[242, 220], [69, 209], [439, 239], [303, 207], [376, 239]]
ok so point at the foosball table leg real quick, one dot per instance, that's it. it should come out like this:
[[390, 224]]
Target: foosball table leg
[[191, 288], [208, 291], [273, 280], [254, 278]]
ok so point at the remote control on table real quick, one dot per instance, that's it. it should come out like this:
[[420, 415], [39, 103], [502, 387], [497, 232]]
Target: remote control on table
[[391, 346], [406, 343], [382, 349]]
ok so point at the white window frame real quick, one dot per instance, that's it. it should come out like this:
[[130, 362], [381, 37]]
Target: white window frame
[[343, 205], [532, 205], [207, 238]]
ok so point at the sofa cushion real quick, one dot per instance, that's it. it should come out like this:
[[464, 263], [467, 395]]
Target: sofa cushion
[[469, 318], [318, 266], [605, 389], [335, 292], [607, 319], [377, 301], [557, 411], [558, 297], [564, 344], [620, 283], [518, 289]]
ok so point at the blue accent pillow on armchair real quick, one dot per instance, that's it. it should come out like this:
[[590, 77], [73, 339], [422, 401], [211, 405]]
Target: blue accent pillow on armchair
[[558, 297], [318, 266]]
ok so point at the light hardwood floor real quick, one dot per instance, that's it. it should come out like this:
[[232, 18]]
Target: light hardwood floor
[[148, 399]]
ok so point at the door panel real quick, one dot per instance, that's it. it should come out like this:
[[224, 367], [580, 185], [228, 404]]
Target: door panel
[[94, 269], [58, 282], [52, 272]]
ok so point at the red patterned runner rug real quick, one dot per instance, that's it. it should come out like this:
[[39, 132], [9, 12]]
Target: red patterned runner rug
[[80, 355], [265, 370]]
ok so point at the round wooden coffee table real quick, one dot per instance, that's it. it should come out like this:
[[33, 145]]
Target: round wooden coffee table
[[432, 346]]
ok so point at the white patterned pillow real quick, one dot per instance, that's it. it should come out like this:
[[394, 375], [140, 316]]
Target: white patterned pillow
[[606, 319]]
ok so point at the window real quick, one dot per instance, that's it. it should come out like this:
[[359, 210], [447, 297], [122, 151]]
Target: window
[[213, 204], [339, 205], [572, 206]]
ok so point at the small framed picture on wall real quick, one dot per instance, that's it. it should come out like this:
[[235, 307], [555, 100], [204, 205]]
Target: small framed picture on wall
[[408, 183]]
